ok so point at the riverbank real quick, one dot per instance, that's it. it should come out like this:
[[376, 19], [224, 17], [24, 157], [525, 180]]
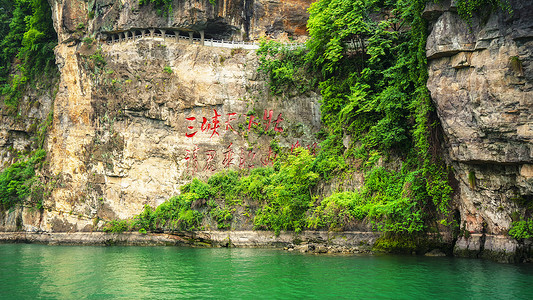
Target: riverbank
[[255, 239], [493, 247]]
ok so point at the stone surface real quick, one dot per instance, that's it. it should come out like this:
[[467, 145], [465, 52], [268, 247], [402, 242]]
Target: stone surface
[[228, 19], [481, 81], [134, 121], [123, 112], [323, 241]]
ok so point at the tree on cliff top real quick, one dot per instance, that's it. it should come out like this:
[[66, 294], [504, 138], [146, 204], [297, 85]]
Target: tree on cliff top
[[28, 41]]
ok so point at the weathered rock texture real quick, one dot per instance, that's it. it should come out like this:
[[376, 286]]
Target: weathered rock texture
[[125, 114], [17, 133], [228, 19], [361, 241], [481, 81], [135, 120]]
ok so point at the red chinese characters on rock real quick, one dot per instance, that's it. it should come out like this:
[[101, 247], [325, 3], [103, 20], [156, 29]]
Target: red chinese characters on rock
[[267, 117], [190, 127], [191, 157], [242, 158], [231, 117], [210, 160], [228, 157], [213, 160], [268, 158], [252, 122], [212, 125], [295, 145], [311, 147]]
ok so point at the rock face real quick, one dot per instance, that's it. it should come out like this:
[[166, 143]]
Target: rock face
[[481, 81], [135, 120], [227, 19]]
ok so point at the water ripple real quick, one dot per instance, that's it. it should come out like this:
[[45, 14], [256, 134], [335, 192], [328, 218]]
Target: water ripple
[[71, 272]]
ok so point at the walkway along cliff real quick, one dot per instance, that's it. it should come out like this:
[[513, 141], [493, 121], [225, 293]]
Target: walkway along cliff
[[150, 98]]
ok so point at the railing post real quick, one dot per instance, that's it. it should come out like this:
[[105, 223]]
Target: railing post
[[190, 37]]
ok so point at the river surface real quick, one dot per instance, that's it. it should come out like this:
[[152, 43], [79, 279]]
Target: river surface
[[86, 272]]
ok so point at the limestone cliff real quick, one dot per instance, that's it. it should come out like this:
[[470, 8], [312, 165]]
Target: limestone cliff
[[134, 119], [227, 19], [481, 81]]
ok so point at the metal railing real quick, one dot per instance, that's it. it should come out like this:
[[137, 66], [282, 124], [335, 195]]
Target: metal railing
[[217, 43], [197, 41]]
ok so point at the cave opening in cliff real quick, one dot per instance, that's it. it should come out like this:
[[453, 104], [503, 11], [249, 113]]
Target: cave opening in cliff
[[218, 29]]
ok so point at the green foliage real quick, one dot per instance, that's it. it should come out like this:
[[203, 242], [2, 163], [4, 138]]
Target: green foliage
[[199, 189], [88, 41], [117, 226], [390, 200], [287, 194], [173, 214], [164, 7], [330, 159], [467, 8], [395, 243], [283, 194], [13, 92], [286, 67], [167, 69], [372, 75], [522, 229], [332, 25], [367, 90], [472, 179], [222, 216], [223, 185], [27, 33], [18, 181]]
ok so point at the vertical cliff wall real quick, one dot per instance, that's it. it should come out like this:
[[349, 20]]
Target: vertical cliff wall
[[134, 120], [481, 82], [227, 19]]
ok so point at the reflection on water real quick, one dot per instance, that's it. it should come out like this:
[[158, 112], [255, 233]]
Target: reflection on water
[[72, 272]]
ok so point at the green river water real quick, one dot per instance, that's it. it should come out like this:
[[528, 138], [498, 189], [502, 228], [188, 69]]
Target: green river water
[[85, 272]]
